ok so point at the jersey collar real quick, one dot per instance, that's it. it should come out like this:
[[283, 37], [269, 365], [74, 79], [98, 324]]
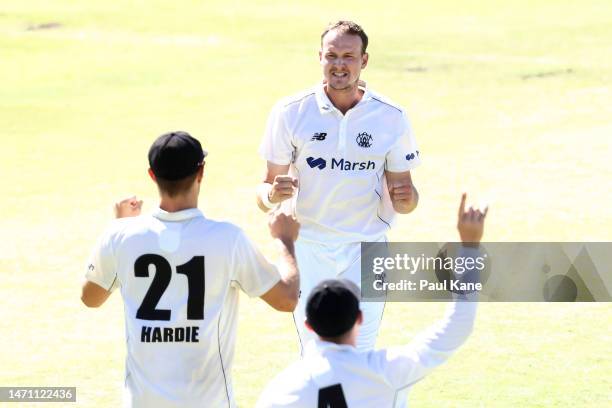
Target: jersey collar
[[319, 346], [325, 105], [178, 215]]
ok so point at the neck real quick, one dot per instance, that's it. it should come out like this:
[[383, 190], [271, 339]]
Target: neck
[[342, 340], [344, 99], [178, 203]]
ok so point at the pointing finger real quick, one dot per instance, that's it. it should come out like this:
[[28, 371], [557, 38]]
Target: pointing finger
[[462, 205]]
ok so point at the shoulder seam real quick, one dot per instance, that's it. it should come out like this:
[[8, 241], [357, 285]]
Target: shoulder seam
[[387, 103], [298, 100]]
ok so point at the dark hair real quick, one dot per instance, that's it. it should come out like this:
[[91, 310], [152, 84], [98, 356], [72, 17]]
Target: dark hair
[[332, 308], [348, 27], [173, 188]]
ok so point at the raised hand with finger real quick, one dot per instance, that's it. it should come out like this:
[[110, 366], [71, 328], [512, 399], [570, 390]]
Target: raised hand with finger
[[470, 223]]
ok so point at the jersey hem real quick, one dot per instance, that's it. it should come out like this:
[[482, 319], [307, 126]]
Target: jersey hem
[[401, 169], [261, 292]]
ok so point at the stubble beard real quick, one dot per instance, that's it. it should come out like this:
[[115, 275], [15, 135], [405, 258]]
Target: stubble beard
[[348, 87]]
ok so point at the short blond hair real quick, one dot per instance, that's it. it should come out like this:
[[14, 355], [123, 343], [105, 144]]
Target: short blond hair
[[348, 27]]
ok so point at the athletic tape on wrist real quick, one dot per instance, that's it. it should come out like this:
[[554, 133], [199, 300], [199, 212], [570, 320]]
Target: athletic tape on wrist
[[263, 191]]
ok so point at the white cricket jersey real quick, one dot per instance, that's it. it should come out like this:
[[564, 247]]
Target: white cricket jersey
[[340, 161], [338, 376], [179, 275], [342, 376]]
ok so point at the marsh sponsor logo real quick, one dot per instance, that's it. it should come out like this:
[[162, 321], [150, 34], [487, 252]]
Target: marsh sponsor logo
[[346, 165], [320, 163], [341, 164]]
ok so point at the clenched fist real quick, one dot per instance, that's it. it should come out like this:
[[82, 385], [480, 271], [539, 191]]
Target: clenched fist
[[284, 227], [401, 193], [128, 207], [283, 188]]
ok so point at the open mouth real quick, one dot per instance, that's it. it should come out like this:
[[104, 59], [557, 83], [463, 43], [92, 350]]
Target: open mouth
[[340, 74]]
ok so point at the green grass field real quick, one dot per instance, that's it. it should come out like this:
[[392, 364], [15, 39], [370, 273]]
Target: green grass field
[[510, 101]]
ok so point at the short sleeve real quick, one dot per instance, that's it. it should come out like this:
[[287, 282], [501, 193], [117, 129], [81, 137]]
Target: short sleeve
[[251, 270], [276, 146], [404, 155], [101, 268]]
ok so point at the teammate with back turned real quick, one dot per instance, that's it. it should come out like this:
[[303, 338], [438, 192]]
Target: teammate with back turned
[[352, 151], [179, 274], [334, 374]]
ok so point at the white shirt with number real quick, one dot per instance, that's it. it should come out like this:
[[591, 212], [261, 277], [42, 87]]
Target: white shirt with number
[[179, 275], [340, 376], [340, 162]]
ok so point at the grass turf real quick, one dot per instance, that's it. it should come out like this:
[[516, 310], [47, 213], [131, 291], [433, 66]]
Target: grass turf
[[508, 101]]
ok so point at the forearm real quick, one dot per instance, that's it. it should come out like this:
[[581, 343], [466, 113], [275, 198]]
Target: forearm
[[288, 269], [93, 295], [436, 344], [454, 329], [433, 346]]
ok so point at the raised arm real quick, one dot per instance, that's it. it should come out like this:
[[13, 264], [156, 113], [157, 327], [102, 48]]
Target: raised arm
[[93, 292], [436, 344], [284, 295]]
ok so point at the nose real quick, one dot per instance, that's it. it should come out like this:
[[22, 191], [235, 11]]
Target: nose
[[338, 62]]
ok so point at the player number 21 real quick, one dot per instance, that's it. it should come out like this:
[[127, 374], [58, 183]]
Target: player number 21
[[193, 270]]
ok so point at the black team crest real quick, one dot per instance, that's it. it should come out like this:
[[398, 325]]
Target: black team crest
[[364, 140]]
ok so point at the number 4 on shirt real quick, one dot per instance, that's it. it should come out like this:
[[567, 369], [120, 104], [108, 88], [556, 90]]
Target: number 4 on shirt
[[194, 270], [332, 397]]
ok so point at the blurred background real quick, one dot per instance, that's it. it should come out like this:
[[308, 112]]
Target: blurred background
[[509, 101]]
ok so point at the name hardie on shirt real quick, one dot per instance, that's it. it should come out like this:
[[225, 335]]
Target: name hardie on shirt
[[189, 334]]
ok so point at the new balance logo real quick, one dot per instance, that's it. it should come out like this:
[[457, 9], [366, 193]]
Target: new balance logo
[[319, 136], [320, 163], [411, 156]]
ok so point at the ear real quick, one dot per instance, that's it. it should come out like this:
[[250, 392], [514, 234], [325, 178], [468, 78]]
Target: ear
[[152, 175], [308, 326], [200, 175], [360, 318], [320, 55], [364, 60]]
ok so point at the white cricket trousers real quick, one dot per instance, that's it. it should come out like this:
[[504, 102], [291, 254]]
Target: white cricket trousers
[[318, 262]]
